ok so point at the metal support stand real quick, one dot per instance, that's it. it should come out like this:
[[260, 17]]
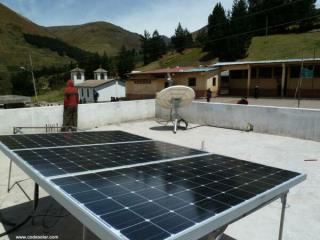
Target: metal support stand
[[9, 177], [283, 210], [35, 199], [216, 235], [176, 118], [84, 232]]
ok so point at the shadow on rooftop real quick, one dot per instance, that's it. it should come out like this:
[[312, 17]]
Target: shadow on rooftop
[[50, 220]]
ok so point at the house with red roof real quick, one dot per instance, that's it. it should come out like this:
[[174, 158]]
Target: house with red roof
[[144, 85]]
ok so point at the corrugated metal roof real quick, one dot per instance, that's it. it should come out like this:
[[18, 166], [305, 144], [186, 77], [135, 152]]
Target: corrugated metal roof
[[202, 69], [177, 70], [7, 99], [293, 60], [93, 83]]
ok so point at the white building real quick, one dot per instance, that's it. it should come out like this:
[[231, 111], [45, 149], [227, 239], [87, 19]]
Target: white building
[[100, 74], [105, 88], [77, 75]]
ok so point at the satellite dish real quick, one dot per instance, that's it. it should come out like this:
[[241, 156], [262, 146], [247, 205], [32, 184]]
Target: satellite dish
[[174, 98]]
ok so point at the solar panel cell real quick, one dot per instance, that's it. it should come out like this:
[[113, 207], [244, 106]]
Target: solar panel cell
[[57, 161], [162, 198], [67, 139]]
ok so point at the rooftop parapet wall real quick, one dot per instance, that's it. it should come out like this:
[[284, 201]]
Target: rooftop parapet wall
[[89, 115], [291, 122]]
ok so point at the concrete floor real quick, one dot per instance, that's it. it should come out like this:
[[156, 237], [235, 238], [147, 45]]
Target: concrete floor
[[302, 214], [277, 102]]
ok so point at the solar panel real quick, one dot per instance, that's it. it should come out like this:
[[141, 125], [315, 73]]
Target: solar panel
[[65, 160], [67, 139], [125, 186], [168, 200]]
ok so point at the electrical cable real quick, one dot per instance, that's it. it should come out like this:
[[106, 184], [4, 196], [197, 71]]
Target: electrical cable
[[260, 29]]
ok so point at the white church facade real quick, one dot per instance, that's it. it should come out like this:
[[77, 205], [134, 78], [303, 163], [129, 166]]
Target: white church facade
[[106, 89]]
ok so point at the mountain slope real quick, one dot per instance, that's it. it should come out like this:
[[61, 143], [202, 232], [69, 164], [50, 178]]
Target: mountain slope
[[189, 57], [14, 50], [285, 46], [97, 37]]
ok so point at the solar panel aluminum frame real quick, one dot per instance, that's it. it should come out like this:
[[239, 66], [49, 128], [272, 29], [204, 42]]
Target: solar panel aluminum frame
[[241, 210], [89, 220], [104, 231]]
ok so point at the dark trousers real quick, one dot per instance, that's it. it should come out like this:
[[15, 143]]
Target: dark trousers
[[70, 118]]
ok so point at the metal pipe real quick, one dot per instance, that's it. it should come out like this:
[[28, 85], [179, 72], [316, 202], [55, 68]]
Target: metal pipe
[[9, 177], [283, 210], [84, 232]]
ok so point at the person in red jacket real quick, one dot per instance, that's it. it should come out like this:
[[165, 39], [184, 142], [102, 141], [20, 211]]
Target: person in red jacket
[[70, 113]]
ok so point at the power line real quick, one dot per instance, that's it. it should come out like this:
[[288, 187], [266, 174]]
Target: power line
[[261, 29], [262, 11]]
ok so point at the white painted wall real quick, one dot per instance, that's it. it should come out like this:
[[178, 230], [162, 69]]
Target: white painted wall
[[75, 79], [83, 94], [89, 115], [106, 91], [292, 122], [112, 89]]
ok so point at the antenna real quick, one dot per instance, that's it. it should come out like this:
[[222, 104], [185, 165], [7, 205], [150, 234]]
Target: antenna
[[174, 98]]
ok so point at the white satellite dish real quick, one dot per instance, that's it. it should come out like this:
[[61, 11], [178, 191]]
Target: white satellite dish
[[174, 98]]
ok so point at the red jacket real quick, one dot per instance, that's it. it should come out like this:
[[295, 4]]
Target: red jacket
[[71, 96]]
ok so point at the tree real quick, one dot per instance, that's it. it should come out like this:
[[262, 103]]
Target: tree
[[145, 47], [5, 85], [201, 38], [218, 29], [282, 11], [22, 83], [125, 63], [182, 39], [157, 46], [239, 24], [153, 47]]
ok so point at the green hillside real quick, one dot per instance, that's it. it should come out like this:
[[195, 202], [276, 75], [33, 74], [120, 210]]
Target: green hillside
[[190, 57], [284, 46], [14, 50], [97, 37], [261, 48]]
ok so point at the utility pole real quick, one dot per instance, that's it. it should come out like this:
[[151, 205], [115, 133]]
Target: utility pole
[[34, 81]]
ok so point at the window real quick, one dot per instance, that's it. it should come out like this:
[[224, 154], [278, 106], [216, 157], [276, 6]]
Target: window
[[265, 72], [317, 71], [192, 82], [239, 74], [214, 80], [142, 81], [78, 75], [254, 73], [277, 72], [82, 92], [294, 72], [159, 76], [88, 94], [102, 76]]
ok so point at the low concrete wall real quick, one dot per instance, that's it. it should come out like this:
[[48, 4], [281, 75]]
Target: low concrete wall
[[292, 122], [89, 115]]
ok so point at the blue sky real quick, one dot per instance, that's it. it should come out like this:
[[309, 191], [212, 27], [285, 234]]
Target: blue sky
[[133, 15]]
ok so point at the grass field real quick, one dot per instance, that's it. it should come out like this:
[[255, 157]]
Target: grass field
[[190, 57], [285, 46], [52, 96]]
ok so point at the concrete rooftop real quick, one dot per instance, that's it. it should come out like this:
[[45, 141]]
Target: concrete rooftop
[[302, 220]]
